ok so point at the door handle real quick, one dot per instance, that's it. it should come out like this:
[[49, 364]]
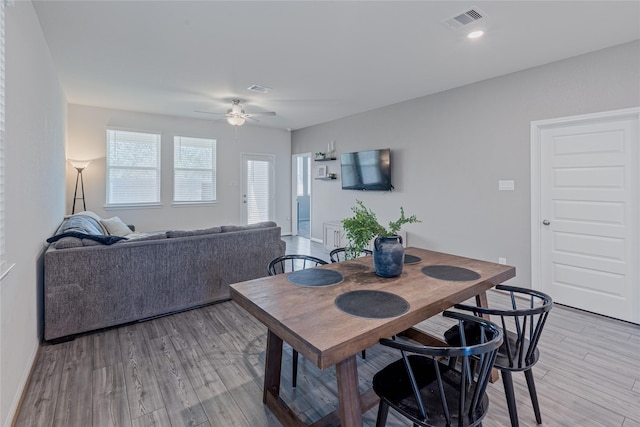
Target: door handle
[[546, 222]]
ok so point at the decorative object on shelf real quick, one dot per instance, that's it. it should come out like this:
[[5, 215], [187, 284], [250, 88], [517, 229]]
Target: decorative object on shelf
[[321, 172], [332, 176], [319, 155], [331, 150], [79, 165], [388, 252]]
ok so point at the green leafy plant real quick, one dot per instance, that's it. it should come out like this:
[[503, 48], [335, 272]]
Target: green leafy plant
[[364, 226]]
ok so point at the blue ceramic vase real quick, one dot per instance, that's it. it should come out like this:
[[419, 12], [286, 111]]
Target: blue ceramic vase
[[388, 256]]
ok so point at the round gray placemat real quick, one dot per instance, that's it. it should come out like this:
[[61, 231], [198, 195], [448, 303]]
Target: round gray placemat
[[315, 277], [411, 259], [372, 304], [450, 272]]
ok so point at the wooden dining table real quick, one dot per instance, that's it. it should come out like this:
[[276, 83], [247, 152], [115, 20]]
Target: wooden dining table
[[310, 320]]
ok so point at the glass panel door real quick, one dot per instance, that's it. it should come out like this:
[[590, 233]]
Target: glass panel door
[[257, 188]]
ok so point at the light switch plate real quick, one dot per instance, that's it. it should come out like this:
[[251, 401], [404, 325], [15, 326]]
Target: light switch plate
[[506, 185]]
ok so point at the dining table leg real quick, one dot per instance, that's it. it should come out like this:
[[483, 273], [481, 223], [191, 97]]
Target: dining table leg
[[349, 393], [272, 366]]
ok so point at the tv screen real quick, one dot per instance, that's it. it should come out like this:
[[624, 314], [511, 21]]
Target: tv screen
[[366, 170]]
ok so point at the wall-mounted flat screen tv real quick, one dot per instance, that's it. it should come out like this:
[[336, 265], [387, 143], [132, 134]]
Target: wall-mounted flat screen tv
[[366, 170]]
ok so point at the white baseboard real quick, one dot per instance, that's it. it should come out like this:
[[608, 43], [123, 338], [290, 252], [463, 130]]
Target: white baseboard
[[21, 391]]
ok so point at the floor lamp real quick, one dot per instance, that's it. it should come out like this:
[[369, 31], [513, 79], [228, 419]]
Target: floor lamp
[[79, 165]]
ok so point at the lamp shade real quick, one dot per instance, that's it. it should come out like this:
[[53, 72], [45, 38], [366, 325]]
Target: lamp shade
[[79, 164], [235, 120]]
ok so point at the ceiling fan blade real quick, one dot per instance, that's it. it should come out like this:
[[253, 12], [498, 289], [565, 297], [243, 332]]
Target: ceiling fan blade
[[265, 113], [209, 112]]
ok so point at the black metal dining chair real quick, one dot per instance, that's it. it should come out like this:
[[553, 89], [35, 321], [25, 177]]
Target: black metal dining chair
[[339, 254], [293, 262], [440, 386], [286, 264], [522, 325]]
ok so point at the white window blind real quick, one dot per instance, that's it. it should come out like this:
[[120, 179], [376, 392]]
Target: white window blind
[[3, 264], [133, 168], [258, 191], [303, 176], [194, 169], [300, 187]]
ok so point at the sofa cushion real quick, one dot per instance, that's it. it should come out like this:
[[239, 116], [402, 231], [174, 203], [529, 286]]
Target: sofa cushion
[[189, 233], [140, 237], [264, 224], [115, 226]]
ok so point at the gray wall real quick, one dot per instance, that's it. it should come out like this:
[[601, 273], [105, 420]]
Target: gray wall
[[87, 140], [34, 193], [450, 149]]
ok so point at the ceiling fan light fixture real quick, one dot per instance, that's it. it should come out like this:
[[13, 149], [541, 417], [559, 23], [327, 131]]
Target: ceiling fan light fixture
[[235, 120]]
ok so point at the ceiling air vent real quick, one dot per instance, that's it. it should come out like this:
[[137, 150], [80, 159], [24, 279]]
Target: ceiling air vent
[[465, 18], [259, 89]]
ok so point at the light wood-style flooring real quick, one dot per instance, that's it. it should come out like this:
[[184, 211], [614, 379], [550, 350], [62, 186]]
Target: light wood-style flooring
[[205, 367]]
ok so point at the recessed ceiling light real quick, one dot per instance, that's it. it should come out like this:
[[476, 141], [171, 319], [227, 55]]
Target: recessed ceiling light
[[475, 34]]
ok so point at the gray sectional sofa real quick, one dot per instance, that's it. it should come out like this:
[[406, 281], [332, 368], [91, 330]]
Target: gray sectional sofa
[[89, 285]]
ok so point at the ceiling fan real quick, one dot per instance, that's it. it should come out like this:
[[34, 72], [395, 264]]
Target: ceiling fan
[[236, 116]]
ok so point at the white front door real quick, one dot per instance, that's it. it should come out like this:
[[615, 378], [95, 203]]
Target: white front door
[[585, 212], [257, 188]]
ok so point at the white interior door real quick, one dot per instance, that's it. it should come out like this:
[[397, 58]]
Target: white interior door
[[585, 219], [257, 188]]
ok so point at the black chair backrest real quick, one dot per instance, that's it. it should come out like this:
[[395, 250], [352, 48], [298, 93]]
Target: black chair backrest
[[522, 325], [340, 254], [288, 263], [473, 361]]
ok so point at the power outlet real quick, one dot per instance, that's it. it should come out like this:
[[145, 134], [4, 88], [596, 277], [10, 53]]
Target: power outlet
[[502, 260]]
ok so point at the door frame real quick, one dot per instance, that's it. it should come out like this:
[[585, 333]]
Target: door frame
[[294, 194], [272, 185], [537, 127]]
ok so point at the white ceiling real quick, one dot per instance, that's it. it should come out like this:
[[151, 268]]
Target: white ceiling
[[323, 59]]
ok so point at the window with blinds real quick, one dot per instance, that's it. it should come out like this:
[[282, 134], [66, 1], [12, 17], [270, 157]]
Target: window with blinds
[[194, 170], [133, 168], [3, 264]]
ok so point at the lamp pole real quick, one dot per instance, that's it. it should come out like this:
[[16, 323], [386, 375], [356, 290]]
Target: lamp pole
[[75, 193]]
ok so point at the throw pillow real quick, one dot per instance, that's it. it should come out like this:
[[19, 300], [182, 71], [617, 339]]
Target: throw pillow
[[115, 226]]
